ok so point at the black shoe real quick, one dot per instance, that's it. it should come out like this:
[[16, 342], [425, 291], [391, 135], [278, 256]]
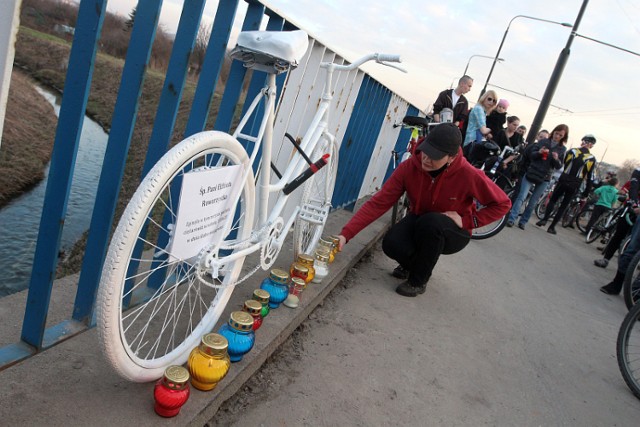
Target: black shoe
[[541, 223], [602, 263], [521, 226], [609, 289], [407, 289], [551, 230], [400, 273], [510, 223]]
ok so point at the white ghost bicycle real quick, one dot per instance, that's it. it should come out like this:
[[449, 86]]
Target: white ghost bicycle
[[200, 214]]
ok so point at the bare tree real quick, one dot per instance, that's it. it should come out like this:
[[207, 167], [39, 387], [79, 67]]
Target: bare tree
[[624, 172], [200, 48]]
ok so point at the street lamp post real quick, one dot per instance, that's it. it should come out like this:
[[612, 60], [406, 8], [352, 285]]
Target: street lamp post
[[495, 59], [555, 77], [479, 56]]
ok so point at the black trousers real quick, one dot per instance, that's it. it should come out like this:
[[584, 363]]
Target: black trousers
[[417, 241], [597, 212], [622, 230], [566, 190]]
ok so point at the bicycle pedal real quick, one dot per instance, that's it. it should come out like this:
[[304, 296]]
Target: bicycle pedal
[[314, 214]]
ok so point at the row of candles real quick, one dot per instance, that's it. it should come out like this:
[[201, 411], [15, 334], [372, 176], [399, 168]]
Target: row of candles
[[210, 361]]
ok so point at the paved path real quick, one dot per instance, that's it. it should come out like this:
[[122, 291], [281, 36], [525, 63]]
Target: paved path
[[511, 331]]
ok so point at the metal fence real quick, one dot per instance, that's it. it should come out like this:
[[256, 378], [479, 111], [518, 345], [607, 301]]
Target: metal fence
[[362, 117]]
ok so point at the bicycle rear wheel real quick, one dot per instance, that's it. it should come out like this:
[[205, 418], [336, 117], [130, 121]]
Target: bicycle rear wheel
[[628, 350], [631, 286], [316, 201], [152, 308], [400, 209], [488, 230], [570, 215], [596, 230], [583, 219]]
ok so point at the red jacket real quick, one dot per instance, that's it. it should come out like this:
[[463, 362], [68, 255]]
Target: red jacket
[[452, 190]]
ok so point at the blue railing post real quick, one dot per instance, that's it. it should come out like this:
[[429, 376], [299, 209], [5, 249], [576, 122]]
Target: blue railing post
[[124, 118], [74, 101]]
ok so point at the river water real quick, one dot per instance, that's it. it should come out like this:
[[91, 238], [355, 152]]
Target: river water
[[20, 219]]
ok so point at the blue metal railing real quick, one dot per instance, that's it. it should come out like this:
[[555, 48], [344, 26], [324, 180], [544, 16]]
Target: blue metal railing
[[359, 141]]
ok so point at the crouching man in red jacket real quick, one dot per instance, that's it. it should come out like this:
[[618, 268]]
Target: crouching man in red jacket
[[442, 188]]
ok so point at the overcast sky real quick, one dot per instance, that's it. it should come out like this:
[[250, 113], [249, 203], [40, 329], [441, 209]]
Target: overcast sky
[[598, 92]]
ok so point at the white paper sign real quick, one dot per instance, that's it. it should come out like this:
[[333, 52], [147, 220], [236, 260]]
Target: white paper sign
[[206, 200]]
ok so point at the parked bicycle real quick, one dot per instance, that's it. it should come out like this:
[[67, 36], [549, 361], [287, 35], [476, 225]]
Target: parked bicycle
[[419, 127], [606, 224], [628, 349], [197, 219]]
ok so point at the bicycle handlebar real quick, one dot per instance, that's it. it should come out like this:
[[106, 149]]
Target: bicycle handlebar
[[380, 58], [383, 57]]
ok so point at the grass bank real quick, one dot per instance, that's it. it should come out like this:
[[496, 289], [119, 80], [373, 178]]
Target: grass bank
[[44, 57]]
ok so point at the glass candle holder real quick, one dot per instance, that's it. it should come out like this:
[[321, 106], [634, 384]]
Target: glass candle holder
[[262, 297], [326, 242], [306, 261], [254, 308], [296, 287], [299, 270], [171, 391], [209, 362], [239, 332], [321, 265], [276, 285]]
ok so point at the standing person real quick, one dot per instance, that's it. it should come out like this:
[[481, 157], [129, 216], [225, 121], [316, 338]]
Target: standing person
[[523, 161], [544, 158], [522, 129], [579, 164], [622, 227], [498, 117], [442, 188], [615, 286], [478, 120], [509, 136], [607, 194], [454, 99]]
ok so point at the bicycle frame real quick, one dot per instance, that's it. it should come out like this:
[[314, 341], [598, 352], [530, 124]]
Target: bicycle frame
[[316, 130]]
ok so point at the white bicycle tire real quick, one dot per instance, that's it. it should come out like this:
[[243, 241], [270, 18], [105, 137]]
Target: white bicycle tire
[[112, 334], [317, 190]]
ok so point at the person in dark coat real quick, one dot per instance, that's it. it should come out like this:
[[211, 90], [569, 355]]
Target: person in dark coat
[[545, 157]]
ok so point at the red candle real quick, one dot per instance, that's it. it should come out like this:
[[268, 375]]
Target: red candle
[[254, 308], [171, 391]]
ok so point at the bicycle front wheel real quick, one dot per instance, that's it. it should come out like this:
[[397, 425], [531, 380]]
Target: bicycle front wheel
[[628, 350], [316, 201], [152, 307], [631, 287]]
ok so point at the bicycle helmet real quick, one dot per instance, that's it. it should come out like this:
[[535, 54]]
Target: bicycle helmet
[[589, 138]]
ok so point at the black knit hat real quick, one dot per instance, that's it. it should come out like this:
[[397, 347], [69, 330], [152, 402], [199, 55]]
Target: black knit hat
[[442, 140]]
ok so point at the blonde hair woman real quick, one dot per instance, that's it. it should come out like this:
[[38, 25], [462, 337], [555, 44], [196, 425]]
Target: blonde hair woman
[[478, 117]]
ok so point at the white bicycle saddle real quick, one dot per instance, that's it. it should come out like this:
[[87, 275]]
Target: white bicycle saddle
[[271, 51]]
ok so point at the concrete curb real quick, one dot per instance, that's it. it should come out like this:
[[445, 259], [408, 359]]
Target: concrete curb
[[71, 384]]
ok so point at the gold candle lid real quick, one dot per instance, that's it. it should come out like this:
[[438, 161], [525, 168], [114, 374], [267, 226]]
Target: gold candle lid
[[214, 344], [300, 268], [176, 377], [335, 240], [326, 241], [322, 255], [261, 296], [279, 276], [298, 282], [241, 321], [252, 307], [305, 259]]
